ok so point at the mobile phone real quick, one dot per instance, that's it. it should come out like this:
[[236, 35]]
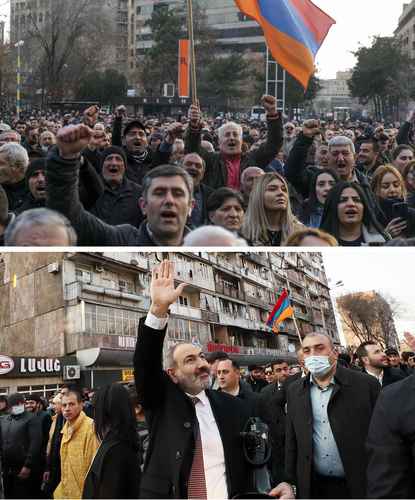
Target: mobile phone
[[400, 210]]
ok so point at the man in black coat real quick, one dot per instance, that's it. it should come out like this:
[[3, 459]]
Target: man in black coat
[[271, 409], [20, 447], [328, 417], [134, 141], [224, 169], [195, 441], [229, 379], [390, 443], [375, 363], [119, 202], [166, 199]]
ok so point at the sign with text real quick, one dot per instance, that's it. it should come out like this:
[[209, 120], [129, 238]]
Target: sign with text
[[29, 367]]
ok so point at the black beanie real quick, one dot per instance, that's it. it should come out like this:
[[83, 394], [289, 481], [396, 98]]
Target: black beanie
[[113, 150], [34, 166]]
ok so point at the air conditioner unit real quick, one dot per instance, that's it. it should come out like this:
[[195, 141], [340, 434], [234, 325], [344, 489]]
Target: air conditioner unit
[[99, 269], [71, 372], [53, 268]]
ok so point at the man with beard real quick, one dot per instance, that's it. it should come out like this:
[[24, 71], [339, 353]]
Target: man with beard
[[224, 169], [118, 204], [368, 158], [166, 201], [247, 182], [195, 448], [195, 167], [140, 157], [375, 362], [46, 141]]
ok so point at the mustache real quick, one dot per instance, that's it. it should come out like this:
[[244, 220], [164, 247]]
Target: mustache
[[203, 371]]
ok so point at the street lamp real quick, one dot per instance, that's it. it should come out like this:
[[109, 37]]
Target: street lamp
[[18, 45]]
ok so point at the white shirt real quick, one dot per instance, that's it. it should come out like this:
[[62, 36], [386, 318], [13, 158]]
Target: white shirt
[[378, 377], [212, 446]]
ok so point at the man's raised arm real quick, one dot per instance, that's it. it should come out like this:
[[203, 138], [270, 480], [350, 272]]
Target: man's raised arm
[[150, 379]]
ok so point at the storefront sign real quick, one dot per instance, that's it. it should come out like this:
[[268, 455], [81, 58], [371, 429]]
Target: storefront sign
[[212, 347], [128, 375], [29, 367]]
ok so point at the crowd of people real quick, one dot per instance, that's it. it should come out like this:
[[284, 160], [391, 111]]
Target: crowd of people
[[337, 425], [97, 179]]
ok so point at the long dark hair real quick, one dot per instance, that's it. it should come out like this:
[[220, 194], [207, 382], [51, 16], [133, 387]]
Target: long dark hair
[[330, 220], [312, 202], [114, 414]]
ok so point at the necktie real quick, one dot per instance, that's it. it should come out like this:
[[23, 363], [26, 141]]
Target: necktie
[[197, 481]]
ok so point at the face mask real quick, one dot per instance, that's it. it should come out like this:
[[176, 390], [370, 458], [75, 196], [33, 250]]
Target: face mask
[[17, 410], [317, 365]]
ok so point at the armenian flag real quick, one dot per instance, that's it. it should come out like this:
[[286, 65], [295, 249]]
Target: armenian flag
[[282, 310], [294, 31]]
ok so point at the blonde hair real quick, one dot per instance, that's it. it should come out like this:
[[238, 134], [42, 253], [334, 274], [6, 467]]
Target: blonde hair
[[256, 223], [380, 173], [297, 237]]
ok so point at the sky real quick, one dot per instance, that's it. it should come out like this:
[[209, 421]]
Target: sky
[[356, 22], [389, 271]]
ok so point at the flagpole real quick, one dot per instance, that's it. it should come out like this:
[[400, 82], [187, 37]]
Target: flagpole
[[298, 331], [192, 51]]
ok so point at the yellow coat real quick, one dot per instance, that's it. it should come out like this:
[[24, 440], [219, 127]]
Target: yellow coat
[[78, 448]]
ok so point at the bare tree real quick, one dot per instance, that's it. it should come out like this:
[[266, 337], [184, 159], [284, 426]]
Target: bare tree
[[70, 39], [370, 316]]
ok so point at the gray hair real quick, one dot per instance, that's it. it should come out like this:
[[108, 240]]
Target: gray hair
[[224, 128], [169, 361], [318, 334], [6, 133], [249, 170], [38, 217], [16, 155], [212, 236], [341, 140]]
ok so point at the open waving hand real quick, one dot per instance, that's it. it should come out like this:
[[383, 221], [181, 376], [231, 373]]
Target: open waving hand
[[162, 291]]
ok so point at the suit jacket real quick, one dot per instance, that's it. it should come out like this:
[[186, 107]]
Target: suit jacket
[[390, 376], [349, 410], [391, 443], [172, 422]]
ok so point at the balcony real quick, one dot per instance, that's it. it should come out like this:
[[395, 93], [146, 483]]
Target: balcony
[[186, 311], [294, 277], [84, 291], [298, 297], [254, 277], [318, 318], [258, 301], [259, 258], [210, 316], [235, 293], [302, 315]]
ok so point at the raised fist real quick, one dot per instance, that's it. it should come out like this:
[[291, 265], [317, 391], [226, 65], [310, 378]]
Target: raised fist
[[91, 116], [195, 116], [174, 131], [121, 112], [72, 140], [270, 104], [311, 128]]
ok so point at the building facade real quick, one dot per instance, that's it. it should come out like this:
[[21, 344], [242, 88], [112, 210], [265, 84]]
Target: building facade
[[405, 32], [83, 309]]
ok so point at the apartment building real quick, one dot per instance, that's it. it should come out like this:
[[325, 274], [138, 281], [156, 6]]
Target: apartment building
[[74, 316], [405, 32]]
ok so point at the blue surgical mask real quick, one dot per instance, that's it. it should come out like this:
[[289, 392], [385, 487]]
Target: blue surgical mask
[[317, 365], [17, 410]]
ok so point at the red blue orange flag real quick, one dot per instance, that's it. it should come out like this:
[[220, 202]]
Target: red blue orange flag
[[281, 311], [294, 31]]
